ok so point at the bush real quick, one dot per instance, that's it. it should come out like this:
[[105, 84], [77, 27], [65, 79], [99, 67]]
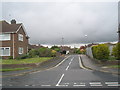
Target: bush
[[10, 57], [53, 53], [116, 51], [101, 52], [23, 56], [33, 53], [45, 52], [56, 48]]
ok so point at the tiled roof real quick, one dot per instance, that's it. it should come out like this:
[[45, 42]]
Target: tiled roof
[[6, 27]]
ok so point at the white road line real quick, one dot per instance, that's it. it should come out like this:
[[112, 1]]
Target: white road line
[[60, 80], [79, 85], [111, 82], [80, 63], [26, 85], [95, 82], [96, 85], [72, 59], [69, 63], [67, 67], [62, 85], [46, 85], [114, 85]]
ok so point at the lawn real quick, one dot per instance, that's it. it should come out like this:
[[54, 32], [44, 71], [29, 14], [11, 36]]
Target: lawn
[[115, 66], [25, 61], [14, 69]]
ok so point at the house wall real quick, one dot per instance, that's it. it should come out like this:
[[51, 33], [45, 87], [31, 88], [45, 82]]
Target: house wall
[[8, 43], [23, 44], [16, 44]]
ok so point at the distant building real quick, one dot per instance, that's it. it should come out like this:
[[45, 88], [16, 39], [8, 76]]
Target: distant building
[[13, 39], [36, 46]]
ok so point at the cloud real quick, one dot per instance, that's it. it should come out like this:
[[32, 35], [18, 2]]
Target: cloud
[[47, 23]]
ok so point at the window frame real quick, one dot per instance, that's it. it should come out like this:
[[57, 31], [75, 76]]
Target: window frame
[[19, 52], [4, 49], [20, 37], [3, 39]]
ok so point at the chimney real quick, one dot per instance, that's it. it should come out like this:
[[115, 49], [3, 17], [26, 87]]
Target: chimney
[[13, 21]]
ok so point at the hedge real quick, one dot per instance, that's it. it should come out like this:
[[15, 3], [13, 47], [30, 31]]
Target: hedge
[[116, 51], [101, 52]]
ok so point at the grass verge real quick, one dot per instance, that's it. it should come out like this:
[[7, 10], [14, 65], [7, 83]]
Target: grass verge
[[25, 61], [115, 66], [14, 69]]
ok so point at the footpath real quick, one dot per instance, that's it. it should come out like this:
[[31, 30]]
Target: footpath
[[91, 64]]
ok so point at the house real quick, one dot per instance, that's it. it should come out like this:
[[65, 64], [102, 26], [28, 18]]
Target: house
[[35, 46], [13, 39]]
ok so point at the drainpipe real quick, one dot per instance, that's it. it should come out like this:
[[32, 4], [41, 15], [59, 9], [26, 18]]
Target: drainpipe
[[13, 47]]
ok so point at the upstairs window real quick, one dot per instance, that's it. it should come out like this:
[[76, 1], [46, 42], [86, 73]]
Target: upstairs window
[[20, 37], [4, 37]]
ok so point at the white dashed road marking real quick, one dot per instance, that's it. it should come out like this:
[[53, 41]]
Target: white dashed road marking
[[46, 85], [67, 67]]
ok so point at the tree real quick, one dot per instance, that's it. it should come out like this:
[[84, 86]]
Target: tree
[[116, 51], [101, 52], [56, 48]]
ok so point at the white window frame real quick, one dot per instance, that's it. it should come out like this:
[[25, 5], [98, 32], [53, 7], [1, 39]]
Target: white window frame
[[20, 51], [9, 51], [3, 38], [20, 37]]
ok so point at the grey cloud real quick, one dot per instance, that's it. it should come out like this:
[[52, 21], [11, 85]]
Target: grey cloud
[[47, 23]]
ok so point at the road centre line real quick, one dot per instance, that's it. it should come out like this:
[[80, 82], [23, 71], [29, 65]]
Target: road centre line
[[67, 67], [60, 80]]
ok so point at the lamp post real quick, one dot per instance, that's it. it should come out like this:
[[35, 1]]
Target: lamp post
[[118, 33]]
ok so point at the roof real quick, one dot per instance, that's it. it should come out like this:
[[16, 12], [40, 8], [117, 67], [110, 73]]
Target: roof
[[9, 28]]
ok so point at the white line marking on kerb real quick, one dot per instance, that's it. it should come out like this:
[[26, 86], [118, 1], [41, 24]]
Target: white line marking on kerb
[[60, 80], [80, 63], [67, 67]]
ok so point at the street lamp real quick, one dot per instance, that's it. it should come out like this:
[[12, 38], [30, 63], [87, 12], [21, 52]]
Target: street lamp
[[118, 33]]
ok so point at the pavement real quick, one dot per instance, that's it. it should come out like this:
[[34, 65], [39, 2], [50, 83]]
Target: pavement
[[68, 73], [92, 65]]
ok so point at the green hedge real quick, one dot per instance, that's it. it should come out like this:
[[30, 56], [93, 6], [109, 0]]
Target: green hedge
[[101, 52], [116, 51]]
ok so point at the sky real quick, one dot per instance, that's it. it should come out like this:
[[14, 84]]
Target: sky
[[76, 22]]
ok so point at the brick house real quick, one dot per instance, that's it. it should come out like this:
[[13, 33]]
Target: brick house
[[13, 39]]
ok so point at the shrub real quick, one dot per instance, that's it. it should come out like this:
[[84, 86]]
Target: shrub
[[53, 53], [23, 56], [33, 53], [45, 52], [116, 51], [10, 57], [56, 48], [101, 52]]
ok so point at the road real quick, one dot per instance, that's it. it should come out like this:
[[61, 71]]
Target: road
[[68, 74]]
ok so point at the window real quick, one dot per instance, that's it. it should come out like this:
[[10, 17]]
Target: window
[[20, 50], [4, 51], [4, 37], [20, 37]]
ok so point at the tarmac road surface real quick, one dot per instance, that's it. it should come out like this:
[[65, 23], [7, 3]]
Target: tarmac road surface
[[68, 74]]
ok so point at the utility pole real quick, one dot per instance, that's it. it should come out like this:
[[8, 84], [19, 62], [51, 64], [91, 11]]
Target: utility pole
[[118, 33], [62, 43]]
